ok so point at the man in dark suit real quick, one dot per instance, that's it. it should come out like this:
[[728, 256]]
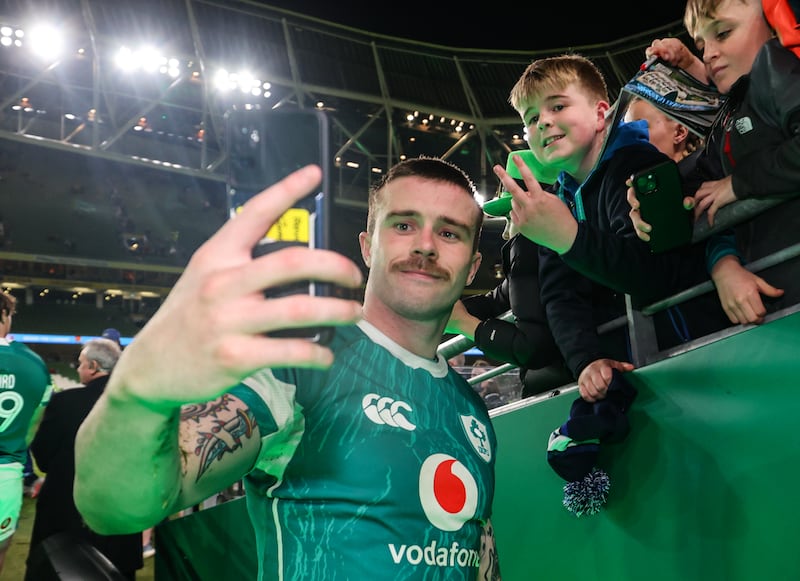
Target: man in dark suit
[[53, 450]]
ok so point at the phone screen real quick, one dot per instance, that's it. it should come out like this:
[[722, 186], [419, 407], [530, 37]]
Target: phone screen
[[263, 147]]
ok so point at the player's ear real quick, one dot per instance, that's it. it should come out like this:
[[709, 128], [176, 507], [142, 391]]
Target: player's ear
[[473, 269], [364, 241]]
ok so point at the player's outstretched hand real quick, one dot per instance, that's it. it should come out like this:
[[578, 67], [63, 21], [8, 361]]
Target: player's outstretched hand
[[210, 332]]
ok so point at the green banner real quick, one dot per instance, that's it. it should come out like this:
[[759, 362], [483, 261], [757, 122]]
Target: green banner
[[703, 488]]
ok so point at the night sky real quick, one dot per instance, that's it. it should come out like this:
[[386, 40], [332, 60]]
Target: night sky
[[491, 25]]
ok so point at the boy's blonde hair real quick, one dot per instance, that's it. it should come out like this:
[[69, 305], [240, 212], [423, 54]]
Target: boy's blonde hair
[[697, 10], [551, 74]]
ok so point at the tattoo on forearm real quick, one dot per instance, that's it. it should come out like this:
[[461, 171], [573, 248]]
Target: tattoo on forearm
[[221, 432]]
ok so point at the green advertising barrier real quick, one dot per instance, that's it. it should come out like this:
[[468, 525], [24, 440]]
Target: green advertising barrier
[[706, 487], [216, 544]]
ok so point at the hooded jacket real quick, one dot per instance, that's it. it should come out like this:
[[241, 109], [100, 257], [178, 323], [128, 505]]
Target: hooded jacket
[[756, 140], [585, 286]]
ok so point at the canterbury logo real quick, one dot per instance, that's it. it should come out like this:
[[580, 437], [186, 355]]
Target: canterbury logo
[[386, 411]]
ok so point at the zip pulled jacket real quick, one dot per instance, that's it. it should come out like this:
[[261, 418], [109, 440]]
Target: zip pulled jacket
[[585, 286]]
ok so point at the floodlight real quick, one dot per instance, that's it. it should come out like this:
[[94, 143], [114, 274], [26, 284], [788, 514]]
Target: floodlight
[[46, 41]]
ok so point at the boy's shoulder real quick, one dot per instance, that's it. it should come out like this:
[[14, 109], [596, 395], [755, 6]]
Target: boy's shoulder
[[773, 62], [630, 158], [626, 139], [634, 152]]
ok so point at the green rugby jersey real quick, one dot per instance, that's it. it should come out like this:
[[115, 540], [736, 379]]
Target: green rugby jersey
[[25, 384], [381, 467]]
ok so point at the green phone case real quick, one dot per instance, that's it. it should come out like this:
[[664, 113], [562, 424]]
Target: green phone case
[[660, 195]]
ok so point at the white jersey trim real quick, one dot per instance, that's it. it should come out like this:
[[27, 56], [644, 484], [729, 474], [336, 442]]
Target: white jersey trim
[[278, 447], [436, 368]]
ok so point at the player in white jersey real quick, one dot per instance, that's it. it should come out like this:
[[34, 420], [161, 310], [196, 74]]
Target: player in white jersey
[[364, 458], [25, 388]]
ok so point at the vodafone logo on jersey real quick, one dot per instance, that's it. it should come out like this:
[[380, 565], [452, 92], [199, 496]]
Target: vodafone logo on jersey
[[448, 492], [387, 411]]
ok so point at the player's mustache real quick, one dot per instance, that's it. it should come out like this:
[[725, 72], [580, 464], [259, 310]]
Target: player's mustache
[[422, 265]]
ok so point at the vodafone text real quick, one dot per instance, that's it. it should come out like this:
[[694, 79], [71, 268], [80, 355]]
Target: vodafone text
[[434, 555]]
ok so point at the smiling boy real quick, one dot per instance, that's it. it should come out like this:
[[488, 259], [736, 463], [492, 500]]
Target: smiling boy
[[753, 148], [592, 256]]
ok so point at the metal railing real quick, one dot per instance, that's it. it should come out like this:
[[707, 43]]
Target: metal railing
[[641, 328]]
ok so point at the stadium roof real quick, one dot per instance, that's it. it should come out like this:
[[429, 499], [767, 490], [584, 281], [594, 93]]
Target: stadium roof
[[387, 97]]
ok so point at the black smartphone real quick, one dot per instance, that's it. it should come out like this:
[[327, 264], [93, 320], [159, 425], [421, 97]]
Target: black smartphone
[[263, 147], [661, 205]]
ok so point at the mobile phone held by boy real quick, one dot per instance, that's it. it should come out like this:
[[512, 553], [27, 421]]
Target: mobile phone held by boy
[[660, 196]]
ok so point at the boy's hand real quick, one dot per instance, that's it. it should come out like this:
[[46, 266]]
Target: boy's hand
[[538, 215], [673, 51], [461, 322], [740, 291], [595, 378], [641, 227], [712, 196]]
